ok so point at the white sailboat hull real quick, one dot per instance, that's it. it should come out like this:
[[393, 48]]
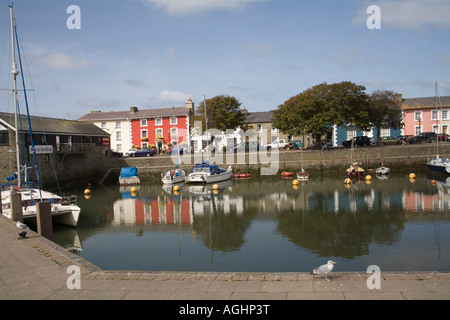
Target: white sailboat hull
[[64, 211], [203, 177]]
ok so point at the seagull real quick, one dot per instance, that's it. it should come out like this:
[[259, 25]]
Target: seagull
[[23, 229], [325, 268]]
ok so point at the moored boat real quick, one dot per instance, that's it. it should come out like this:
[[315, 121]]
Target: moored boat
[[355, 171], [173, 176], [302, 175], [208, 173], [129, 176]]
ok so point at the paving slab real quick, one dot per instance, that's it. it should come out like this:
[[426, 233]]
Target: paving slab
[[37, 269]]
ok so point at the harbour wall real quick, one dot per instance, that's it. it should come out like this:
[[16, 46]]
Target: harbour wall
[[336, 160]]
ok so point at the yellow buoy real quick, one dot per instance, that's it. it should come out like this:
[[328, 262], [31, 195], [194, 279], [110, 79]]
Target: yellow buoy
[[215, 187], [368, 177], [87, 191], [133, 189], [295, 181], [348, 181], [412, 175], [176, 188]]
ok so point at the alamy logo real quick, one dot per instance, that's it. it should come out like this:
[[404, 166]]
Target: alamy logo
[[74, 20], [374, 281], [374, 21], [74, 280]]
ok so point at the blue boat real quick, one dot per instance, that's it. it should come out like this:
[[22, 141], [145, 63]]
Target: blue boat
[[129, 176]]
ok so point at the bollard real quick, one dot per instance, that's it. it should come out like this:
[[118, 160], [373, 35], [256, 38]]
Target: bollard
[[44, 219], [16, 206]]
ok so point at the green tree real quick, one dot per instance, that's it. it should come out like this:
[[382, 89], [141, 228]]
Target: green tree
[[385, 110], [317, 109], [222, 112]]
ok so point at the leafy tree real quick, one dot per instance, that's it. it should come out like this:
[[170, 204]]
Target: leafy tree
[[317, 109], [385, 110], [222, 112]]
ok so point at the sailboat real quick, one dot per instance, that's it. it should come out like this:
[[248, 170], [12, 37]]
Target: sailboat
[[64, 209], [302, 175], [355, 169], [439, 164], [382, 170]]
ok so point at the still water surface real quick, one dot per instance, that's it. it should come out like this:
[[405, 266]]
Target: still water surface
[[266, 225]]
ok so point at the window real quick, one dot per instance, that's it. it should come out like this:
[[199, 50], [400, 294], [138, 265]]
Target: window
[[173, 120], [118, 124], [159, 132], [103, 125], [119, 147], [445, 114], [259, 127], [445, 129], [418, 116], [351, 134], [385, 132], [435, 128], [144, 135], [158, 122], [143, 122], [418, 130], [434, 115], [119, 135]]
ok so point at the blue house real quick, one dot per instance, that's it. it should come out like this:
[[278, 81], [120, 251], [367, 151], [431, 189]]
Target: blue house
[[340, 134]]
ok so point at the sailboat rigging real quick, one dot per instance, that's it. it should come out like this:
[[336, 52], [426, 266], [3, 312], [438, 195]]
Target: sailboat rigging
[[64, 210], [438, 164]]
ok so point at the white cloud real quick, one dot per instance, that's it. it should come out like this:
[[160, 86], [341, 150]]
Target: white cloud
[[171, 97], [185, 7], [62, 61], [409, 14]]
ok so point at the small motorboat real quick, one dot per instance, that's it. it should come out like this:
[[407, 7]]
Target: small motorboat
[[173, 176], [287, 174], [208, 173], [242, 176], [129, 176]]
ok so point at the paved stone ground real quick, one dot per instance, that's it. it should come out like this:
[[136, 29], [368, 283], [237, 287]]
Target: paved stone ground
[[35, 268]]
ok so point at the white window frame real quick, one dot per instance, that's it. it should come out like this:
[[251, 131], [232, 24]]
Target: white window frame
[[418, 116], [445, 114], [158, 131], [146, 133], [144, 123], [118, 135], [173, 120], [434, 115], [118, 124], [158, 122]]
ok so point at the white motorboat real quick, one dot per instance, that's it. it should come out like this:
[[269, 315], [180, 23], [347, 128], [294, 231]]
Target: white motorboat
[[173, 176], [207, 173], [382, 170], [302, 175]]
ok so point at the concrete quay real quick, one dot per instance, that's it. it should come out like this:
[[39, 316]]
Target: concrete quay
[[37, 269]]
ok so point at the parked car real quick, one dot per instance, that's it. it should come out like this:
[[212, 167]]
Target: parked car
[[361, 141], [442, 137], [278, 144], [414, 140], [293, 144], [404, 139], [143, 153], [428, 136], [389, 140], [117, 154], [130, 152]]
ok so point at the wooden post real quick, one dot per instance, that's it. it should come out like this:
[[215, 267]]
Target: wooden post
[[44, 219], [16, 206]]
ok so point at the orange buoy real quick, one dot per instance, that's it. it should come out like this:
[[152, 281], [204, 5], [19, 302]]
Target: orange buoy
[[287, 174]]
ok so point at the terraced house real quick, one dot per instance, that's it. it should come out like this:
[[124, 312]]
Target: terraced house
[[142, 128]]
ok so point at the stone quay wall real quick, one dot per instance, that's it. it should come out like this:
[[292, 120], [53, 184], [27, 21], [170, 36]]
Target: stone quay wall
[[336, 160], [99, 166]]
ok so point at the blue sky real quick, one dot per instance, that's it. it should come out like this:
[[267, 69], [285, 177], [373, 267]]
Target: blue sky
[[157, 53]]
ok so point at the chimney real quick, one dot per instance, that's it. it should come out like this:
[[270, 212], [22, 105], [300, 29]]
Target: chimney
[[244, 111], [133, 109], [399, 97], [95, 111], [190, 105]]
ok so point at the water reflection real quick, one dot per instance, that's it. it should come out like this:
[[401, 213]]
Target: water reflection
[[320, 218]]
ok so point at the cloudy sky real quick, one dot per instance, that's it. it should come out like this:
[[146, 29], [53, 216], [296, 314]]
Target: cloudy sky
[[157, 53]]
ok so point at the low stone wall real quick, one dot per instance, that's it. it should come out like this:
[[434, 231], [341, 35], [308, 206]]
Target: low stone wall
[[409, 157]]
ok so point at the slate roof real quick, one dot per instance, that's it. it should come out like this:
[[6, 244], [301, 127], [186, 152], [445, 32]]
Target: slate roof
[[426, 102], [43, 125], [259, 117], [139, 114]]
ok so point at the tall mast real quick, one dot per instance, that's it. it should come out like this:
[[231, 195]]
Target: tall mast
[[15, 72]]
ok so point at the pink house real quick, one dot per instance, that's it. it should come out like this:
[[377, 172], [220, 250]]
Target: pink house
[[424, 115]]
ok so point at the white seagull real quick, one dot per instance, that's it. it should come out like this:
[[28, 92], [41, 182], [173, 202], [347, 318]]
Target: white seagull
[[23, 229], [325, 268]]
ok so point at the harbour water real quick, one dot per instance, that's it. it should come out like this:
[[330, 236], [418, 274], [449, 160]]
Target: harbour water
[[266, 224]]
